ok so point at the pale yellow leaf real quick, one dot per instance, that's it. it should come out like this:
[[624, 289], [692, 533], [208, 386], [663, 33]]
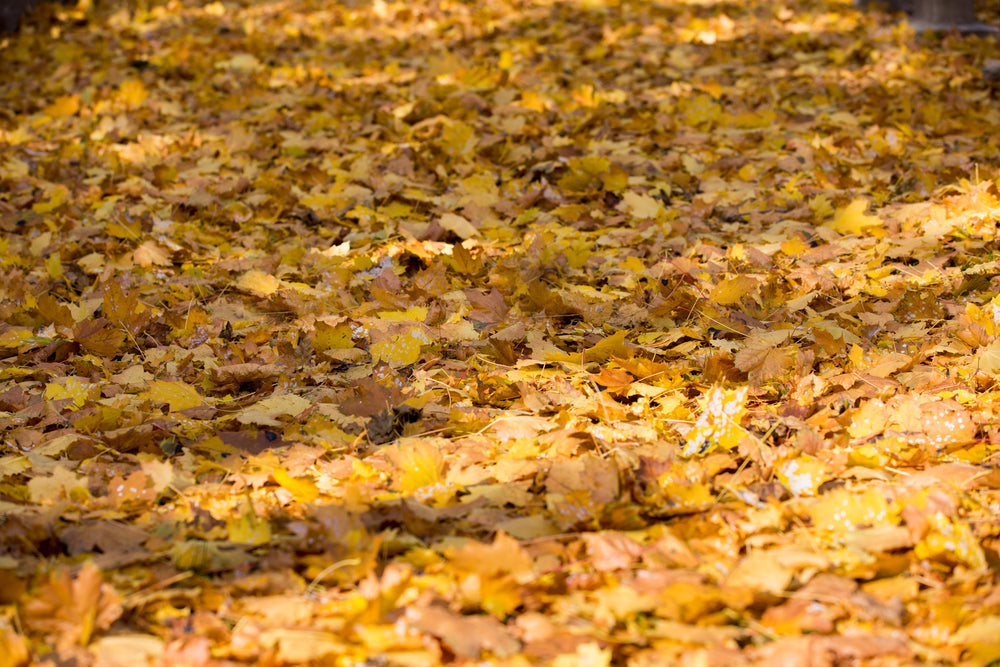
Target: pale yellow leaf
[[266, 412], [149, 253], [456, 223], [640, 206]]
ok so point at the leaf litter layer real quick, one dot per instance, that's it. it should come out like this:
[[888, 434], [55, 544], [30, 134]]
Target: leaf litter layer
[[582, 333]]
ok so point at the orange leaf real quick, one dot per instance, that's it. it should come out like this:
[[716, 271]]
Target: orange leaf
[[68, 609]]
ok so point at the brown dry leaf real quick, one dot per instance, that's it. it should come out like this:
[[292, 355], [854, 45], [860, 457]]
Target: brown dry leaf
[[487, 308], [820, 651], [127, 650], [237, 373], [99, 336], [298, 646], [761, 359]]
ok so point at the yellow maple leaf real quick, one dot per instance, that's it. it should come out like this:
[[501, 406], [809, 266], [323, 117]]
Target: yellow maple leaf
[[57, 197], [458, 139], [950, 539], [267, 411], [14, 168], [700, 110], [868, 420], [616, 179], [480, 189], [13, 649], [63, 106], [585, 173], [685, 493], [988, 359], [414, 314], [456, 223], [794, 246], [14, 338], [612, 346], [852, 219], [178, 395], [62, 483], [149, 253], [731, 290]]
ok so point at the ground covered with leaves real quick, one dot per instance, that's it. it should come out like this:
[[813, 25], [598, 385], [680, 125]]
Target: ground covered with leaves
[[574, 333]]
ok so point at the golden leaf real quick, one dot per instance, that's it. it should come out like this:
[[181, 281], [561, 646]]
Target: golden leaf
[[246, 527], [303, 488], [852, 219], [731, 290], [177, 395], [132, 93], [398, 350], [66, 105]]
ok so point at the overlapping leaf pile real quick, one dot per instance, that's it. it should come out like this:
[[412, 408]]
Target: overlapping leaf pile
[[571, 333]]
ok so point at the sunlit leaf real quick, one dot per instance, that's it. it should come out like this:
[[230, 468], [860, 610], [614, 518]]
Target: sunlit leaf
[[852, 219], [399, 349], [842, 511], [70, 388], [303, 488], [718, 424]]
